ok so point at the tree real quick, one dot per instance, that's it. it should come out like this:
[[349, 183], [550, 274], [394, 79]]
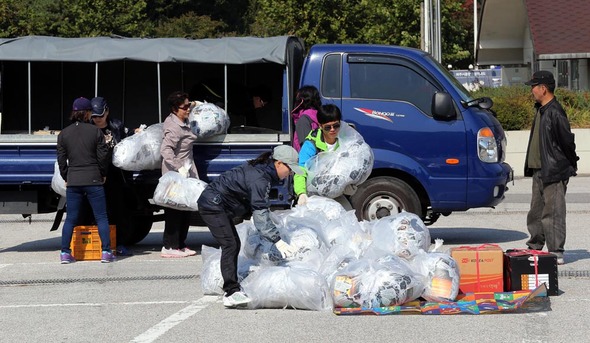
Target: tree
[[394, 22], [14, 17], [90, 18]]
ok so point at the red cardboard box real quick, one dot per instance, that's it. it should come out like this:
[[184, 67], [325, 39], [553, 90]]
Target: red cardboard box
[[528, 269], [481, 268]]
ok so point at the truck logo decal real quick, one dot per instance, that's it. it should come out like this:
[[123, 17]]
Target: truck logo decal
[[376, 114]]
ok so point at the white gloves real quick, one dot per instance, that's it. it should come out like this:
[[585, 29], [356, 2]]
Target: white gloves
[[302, 200], [183, 171], [286, 250]]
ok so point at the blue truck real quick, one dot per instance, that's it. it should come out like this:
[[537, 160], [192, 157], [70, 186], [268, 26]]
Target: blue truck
[[437, 150]]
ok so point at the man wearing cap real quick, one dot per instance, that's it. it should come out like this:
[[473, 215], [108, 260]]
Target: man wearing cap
[[82, 156], [241, 190], [550, 160], [114, 131]]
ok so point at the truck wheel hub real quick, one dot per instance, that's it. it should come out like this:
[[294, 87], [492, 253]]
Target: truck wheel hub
[[382, 207]]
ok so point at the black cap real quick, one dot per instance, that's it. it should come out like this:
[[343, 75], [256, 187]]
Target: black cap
[[99, 106], [543, 77]]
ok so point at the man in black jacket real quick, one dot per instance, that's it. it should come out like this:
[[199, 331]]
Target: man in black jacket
[[551, 159]]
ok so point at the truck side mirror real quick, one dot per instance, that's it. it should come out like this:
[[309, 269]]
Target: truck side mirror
[[442, 106]]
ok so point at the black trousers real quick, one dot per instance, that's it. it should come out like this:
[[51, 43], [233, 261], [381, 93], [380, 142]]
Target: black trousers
[[224, 231], [175, 228]]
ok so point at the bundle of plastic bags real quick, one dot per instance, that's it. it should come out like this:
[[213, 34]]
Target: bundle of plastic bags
[[339, 261], [58, 184], [385, 282], [177, 192], [208, 119], [330, 172], [402, 234], [140, 151]]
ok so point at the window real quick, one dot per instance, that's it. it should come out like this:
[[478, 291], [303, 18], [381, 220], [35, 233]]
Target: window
[[331, 77], [385, 81]]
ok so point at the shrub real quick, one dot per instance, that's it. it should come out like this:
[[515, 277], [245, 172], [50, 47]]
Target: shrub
[[514, 106]]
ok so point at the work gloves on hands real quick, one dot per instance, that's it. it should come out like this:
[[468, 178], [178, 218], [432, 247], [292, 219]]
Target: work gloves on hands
[[286, 249], [302, 200]]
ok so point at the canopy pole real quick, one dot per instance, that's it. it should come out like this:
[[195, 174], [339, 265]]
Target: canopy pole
[[159, 94], [225, 86], [95, 79], [29, 92]]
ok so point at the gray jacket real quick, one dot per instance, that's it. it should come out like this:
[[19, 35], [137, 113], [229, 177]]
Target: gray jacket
[[177, 146]]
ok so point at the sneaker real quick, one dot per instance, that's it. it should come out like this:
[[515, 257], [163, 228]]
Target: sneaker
[[107, 257], [559, 255], [188, 251], [173, 253], [238, 299], [66, 258]]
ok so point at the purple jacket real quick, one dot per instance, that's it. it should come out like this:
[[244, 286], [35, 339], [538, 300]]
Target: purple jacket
[[305, 121]]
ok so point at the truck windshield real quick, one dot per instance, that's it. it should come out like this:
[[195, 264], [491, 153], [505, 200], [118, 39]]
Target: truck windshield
[[463, 93]]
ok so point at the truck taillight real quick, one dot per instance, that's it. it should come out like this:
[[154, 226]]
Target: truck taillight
[[487, 149]]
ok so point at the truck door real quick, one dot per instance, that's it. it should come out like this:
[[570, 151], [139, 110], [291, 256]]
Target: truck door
[[388, 99]]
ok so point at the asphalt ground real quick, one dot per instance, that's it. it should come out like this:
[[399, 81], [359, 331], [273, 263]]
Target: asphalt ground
[[145, 298]]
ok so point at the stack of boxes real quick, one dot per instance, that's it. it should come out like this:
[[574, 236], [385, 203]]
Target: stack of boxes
[[486, 268]]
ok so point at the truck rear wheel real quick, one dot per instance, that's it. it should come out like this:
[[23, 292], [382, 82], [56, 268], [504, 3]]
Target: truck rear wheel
[[383, 196], [136, 230]]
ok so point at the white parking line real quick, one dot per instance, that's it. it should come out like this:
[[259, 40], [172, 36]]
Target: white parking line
[[159, 329]]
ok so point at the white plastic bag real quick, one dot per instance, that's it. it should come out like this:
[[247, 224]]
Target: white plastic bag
[[211, 279], [58, 184], [175, 191], [330, 172], [208, 119], [140, 151]]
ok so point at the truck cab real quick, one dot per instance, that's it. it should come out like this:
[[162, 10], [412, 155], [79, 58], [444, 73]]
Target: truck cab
[[437, 150]]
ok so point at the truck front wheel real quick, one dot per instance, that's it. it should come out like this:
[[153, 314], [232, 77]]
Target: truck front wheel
[[382, 196]]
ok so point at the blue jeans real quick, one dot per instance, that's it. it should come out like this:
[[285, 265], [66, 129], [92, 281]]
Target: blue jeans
[[97, 200]]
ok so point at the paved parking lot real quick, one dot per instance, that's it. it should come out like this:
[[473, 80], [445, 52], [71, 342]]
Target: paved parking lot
[[144, 298]]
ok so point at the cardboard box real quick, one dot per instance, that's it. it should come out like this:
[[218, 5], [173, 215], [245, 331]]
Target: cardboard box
[[86, 244], [528, 269], [481, 268]]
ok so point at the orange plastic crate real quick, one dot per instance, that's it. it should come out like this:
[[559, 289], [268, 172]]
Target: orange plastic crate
[[86, 243]]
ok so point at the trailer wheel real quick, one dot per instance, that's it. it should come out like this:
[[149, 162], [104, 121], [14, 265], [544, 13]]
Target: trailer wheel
[[382, 196]]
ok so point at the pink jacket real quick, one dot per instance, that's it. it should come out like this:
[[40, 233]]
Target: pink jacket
[[304, 127]]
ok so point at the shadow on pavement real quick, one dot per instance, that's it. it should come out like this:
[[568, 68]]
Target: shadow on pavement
[[469, 236], [152, 242]]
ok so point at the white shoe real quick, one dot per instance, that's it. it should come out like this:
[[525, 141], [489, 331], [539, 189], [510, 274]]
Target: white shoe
[[188, 251], [238, 299], [173, 253]]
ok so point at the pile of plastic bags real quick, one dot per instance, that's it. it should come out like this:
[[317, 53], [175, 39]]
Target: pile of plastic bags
[[340, 262], [141, 151], [351, 164]]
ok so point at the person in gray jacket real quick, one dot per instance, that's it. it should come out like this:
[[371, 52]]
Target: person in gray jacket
[[177, 155], [83, 159], [245, 189], [551, 160]]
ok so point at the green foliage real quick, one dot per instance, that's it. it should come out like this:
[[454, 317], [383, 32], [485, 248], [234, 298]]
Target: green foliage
[[90, 18], [395, 22], [14, 18], [514, 106], [190, 25]]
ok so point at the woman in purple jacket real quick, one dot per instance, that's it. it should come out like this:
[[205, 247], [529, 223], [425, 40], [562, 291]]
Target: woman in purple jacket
[[305, 114], [177, 155]]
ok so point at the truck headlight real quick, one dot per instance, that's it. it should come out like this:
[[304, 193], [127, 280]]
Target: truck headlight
[[487, 149]]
